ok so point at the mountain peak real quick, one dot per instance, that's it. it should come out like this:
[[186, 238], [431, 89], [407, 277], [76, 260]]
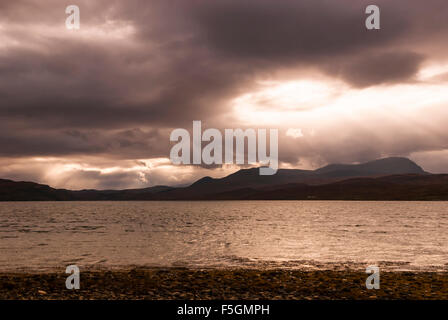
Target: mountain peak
[[385, 166], [203, 180]]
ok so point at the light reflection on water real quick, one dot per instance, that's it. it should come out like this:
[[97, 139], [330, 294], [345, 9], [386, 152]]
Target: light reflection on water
[[287, 234]]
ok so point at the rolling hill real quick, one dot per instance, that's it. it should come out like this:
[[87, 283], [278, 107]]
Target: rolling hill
[[383, 179]]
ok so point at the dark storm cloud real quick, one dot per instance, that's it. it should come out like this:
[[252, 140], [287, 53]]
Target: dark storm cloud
[[80, 84], [329, 35], [129, 143], [292, 30], [379, 68]]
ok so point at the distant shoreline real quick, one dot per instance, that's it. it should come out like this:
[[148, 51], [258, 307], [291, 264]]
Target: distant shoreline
[[389, 179]]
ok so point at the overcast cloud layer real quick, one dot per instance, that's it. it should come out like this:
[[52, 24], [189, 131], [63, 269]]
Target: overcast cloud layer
[[93, 108]]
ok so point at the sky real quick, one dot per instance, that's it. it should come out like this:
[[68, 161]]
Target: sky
[[94, 107]]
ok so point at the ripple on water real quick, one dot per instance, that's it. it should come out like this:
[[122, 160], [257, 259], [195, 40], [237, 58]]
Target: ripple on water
[[284, 234]]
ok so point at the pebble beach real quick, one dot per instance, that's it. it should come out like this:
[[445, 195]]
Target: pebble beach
[[226, 284]]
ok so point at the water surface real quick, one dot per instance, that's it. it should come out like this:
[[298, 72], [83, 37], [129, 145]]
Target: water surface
[[42, 236]]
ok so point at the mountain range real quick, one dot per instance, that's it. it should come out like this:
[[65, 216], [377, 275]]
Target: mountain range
[[384, 179]]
